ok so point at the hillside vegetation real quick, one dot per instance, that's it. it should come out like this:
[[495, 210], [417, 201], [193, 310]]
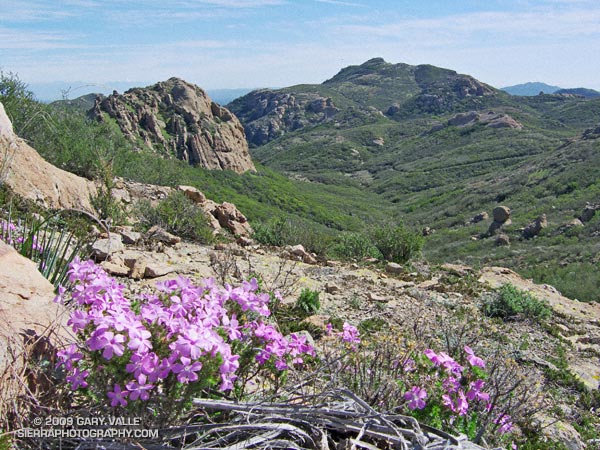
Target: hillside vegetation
[[443, 147], [382, 144]]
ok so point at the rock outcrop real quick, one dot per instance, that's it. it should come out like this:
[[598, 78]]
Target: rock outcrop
[[268, 115], [30, 176], [589, 211], [501, 216], [177, 118], [489, 119], [535, 227]]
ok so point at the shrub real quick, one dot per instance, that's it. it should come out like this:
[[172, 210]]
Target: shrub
[[509, 301], [397, 243], [176, 214], [157, 352], [308, 301], [354, 246], [282, 231]]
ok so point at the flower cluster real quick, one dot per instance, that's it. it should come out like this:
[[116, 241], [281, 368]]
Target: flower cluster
[[461, 388], [349, 334], [183, 336]]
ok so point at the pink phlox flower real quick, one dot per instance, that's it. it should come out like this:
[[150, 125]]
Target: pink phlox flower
[[433, 357], [117, 396], [451, 384], [98, 338], [79, 320], [142, 364], [186, 370], [139, 338], [416, 398], [232, 327], [266, 332], [505, 422], [77, 379], [60, 295], [328, 329], [474, 360], [298, 345], [475, 391], [139, 388], [459, 405], [350, 334], [69, 356], [113, 345]]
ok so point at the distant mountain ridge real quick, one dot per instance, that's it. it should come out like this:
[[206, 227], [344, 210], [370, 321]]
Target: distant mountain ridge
[[531, 88], [536, 88], [360, 93]]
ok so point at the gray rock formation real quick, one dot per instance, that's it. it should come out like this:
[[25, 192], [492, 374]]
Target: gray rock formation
[[535, 227], [177, 118], [268, 115]]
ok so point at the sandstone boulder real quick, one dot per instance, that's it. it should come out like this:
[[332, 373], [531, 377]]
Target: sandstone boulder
[[231, 218], [193, 194], [535, 227], [27, 309], [33, 178], [159, 234], [103, 248], [501, 214], [502, 240]]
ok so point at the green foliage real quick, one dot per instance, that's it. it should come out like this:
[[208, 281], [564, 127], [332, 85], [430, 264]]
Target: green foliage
[[49, 242], [372, 325], [281, 231], [354, 245], [509, 302], [178, 215], [397, 243], [308, 301]]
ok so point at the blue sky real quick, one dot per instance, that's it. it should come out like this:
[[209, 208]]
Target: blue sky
[[269, 43]]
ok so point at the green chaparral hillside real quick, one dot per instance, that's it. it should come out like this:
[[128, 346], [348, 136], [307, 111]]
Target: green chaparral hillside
[[443, 147], [387, 143]]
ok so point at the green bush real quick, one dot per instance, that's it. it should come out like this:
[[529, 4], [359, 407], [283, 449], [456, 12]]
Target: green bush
[[308, 301], [397, 243], [178, 215], [282, 231], [509, 302], [354, 246]]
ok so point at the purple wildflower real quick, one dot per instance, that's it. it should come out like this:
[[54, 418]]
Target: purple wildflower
[[416, 398], [474, 360], [117, 396]]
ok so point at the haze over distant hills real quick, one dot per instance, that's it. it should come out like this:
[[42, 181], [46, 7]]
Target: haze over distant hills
[[531, 88], [59, 90], [535, 88]]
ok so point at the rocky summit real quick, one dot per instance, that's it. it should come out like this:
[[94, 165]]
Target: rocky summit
[[177, 118]]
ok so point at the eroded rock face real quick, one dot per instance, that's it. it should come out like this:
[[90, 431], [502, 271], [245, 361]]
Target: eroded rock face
[[175, 117], [268, 115]]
